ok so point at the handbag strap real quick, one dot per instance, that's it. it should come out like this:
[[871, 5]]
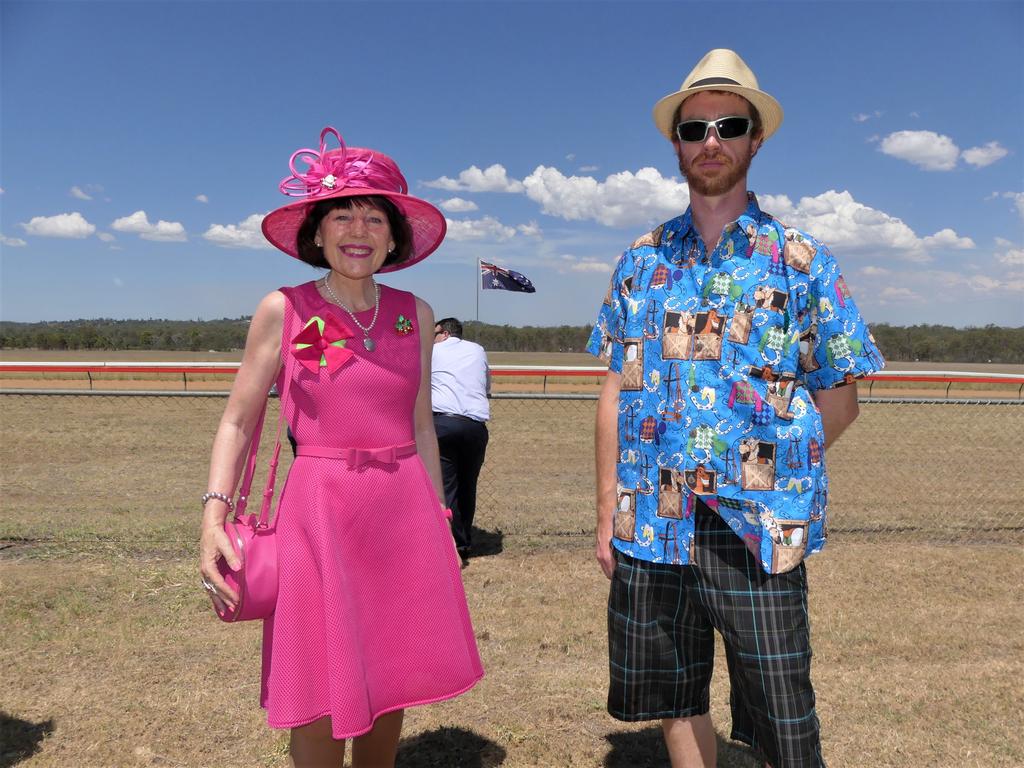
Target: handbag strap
[[250, 464], [268, 490]]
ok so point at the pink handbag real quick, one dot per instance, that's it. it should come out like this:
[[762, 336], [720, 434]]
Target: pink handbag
[[254, 538]]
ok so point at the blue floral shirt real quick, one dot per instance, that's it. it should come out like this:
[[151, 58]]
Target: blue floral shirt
[[719, 354]]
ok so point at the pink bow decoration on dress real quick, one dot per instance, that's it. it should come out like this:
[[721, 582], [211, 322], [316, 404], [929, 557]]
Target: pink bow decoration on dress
[[330, 171], [321, 344]]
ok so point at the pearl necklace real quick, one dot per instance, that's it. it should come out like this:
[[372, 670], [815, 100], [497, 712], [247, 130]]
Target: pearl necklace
[[367, 341]]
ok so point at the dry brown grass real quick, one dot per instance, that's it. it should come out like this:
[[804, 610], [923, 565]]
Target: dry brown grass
[[111, 656], [917, 663]]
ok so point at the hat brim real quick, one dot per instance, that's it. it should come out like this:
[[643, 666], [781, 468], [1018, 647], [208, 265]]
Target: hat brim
[[427, 223], [767, 107]]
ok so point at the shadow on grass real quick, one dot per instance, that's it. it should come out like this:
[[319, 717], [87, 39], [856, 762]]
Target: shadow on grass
[[487, 543], [449, 748], [647, 747], [20, 739]]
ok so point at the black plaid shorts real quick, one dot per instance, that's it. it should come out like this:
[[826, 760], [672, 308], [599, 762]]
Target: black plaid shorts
[[661, 623]]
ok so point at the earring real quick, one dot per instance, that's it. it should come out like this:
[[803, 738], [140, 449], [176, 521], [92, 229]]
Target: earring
[[318, 243]]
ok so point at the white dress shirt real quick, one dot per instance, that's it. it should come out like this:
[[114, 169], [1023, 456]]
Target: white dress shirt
[[460, 379]]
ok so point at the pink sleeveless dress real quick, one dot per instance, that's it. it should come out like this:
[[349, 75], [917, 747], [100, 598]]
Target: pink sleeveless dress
[[371, 614]]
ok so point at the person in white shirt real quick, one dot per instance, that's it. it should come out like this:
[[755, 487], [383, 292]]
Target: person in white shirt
[[460, 383]]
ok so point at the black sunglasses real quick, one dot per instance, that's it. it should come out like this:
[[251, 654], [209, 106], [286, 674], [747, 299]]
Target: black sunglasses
[[727, 128]]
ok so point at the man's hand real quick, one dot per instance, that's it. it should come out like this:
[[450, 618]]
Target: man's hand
[[603, 552]]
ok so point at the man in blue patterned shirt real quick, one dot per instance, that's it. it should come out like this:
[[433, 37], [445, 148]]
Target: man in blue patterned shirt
[[733, 348]]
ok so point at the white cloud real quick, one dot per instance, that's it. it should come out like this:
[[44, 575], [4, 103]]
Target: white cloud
[[897, 295], [1018, 200], [947, 238], [875, 271], [494, 178], [863, 117], [458, 205], [571, 156], [80, 194], [245, 234], [12, 242], [106, 237], [925, 149], [622, 199], [915, 115], [1006, 283], [1011, 256], [841, 222], [202, 198], [568, 263], [986, 155], [532, 229], [588, 168], [487, 228], [71, 225], [138, 223]]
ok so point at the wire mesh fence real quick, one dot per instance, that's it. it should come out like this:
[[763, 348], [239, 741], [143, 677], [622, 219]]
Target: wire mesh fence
[[108, 467]]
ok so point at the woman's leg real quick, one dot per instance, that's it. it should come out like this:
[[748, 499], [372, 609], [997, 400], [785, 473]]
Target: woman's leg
[[378, 748], [312, 746]]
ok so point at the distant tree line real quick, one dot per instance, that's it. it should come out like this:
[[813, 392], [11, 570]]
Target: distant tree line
[[933, 343], [194, 335]]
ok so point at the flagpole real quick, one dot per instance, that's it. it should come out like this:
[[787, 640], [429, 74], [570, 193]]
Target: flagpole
[[478, 283]]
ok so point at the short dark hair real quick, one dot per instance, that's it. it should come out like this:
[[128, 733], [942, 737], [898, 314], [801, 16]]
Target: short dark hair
[[451, 326], [755, 130], [313, 255]]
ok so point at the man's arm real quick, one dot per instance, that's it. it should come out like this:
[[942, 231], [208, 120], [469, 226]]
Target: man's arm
[[838, 409], [606, 449]]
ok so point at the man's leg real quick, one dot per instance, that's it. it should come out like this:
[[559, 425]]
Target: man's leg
[[742, 723], [471, 459], [448, 443], [691, 742], [763, 620], [661, 650]]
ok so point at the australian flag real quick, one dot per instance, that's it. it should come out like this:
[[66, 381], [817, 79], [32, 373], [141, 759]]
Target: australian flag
[[493, 277]]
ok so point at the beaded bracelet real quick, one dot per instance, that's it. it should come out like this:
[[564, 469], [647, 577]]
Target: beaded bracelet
[[220, 497]]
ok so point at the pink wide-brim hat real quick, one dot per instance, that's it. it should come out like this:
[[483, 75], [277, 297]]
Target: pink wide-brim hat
[[351, 172]]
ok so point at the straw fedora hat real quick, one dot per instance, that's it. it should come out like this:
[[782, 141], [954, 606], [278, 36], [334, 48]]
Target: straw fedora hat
[[719, 70], [351, 172]]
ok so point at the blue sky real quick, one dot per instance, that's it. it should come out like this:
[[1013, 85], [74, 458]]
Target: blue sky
[[141, 143]]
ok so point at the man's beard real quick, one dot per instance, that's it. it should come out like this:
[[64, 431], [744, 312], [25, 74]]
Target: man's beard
[[722, 182]]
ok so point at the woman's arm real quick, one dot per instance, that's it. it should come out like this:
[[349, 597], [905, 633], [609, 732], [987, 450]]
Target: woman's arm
[[423, 417], [260, 364]]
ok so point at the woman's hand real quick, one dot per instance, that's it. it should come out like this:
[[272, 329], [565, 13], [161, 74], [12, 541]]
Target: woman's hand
[[214, 545]]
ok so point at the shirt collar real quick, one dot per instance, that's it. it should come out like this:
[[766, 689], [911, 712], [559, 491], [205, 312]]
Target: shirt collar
[[751, 216], [681, 231], [683, 225]]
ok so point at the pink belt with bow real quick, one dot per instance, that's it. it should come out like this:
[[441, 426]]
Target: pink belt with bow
[[357, 457]]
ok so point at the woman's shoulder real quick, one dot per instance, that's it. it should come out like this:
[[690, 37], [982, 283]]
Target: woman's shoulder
[[294, 291], [408, 300]]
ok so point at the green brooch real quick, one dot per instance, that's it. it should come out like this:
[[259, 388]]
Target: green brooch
[[403, 325]]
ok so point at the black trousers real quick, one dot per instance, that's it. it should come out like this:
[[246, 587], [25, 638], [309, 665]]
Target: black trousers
[[463, 442]]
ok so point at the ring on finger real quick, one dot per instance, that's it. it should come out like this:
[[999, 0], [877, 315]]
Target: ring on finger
[[208, 586]]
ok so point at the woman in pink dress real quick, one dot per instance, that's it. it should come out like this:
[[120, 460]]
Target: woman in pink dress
[[371, 615]]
